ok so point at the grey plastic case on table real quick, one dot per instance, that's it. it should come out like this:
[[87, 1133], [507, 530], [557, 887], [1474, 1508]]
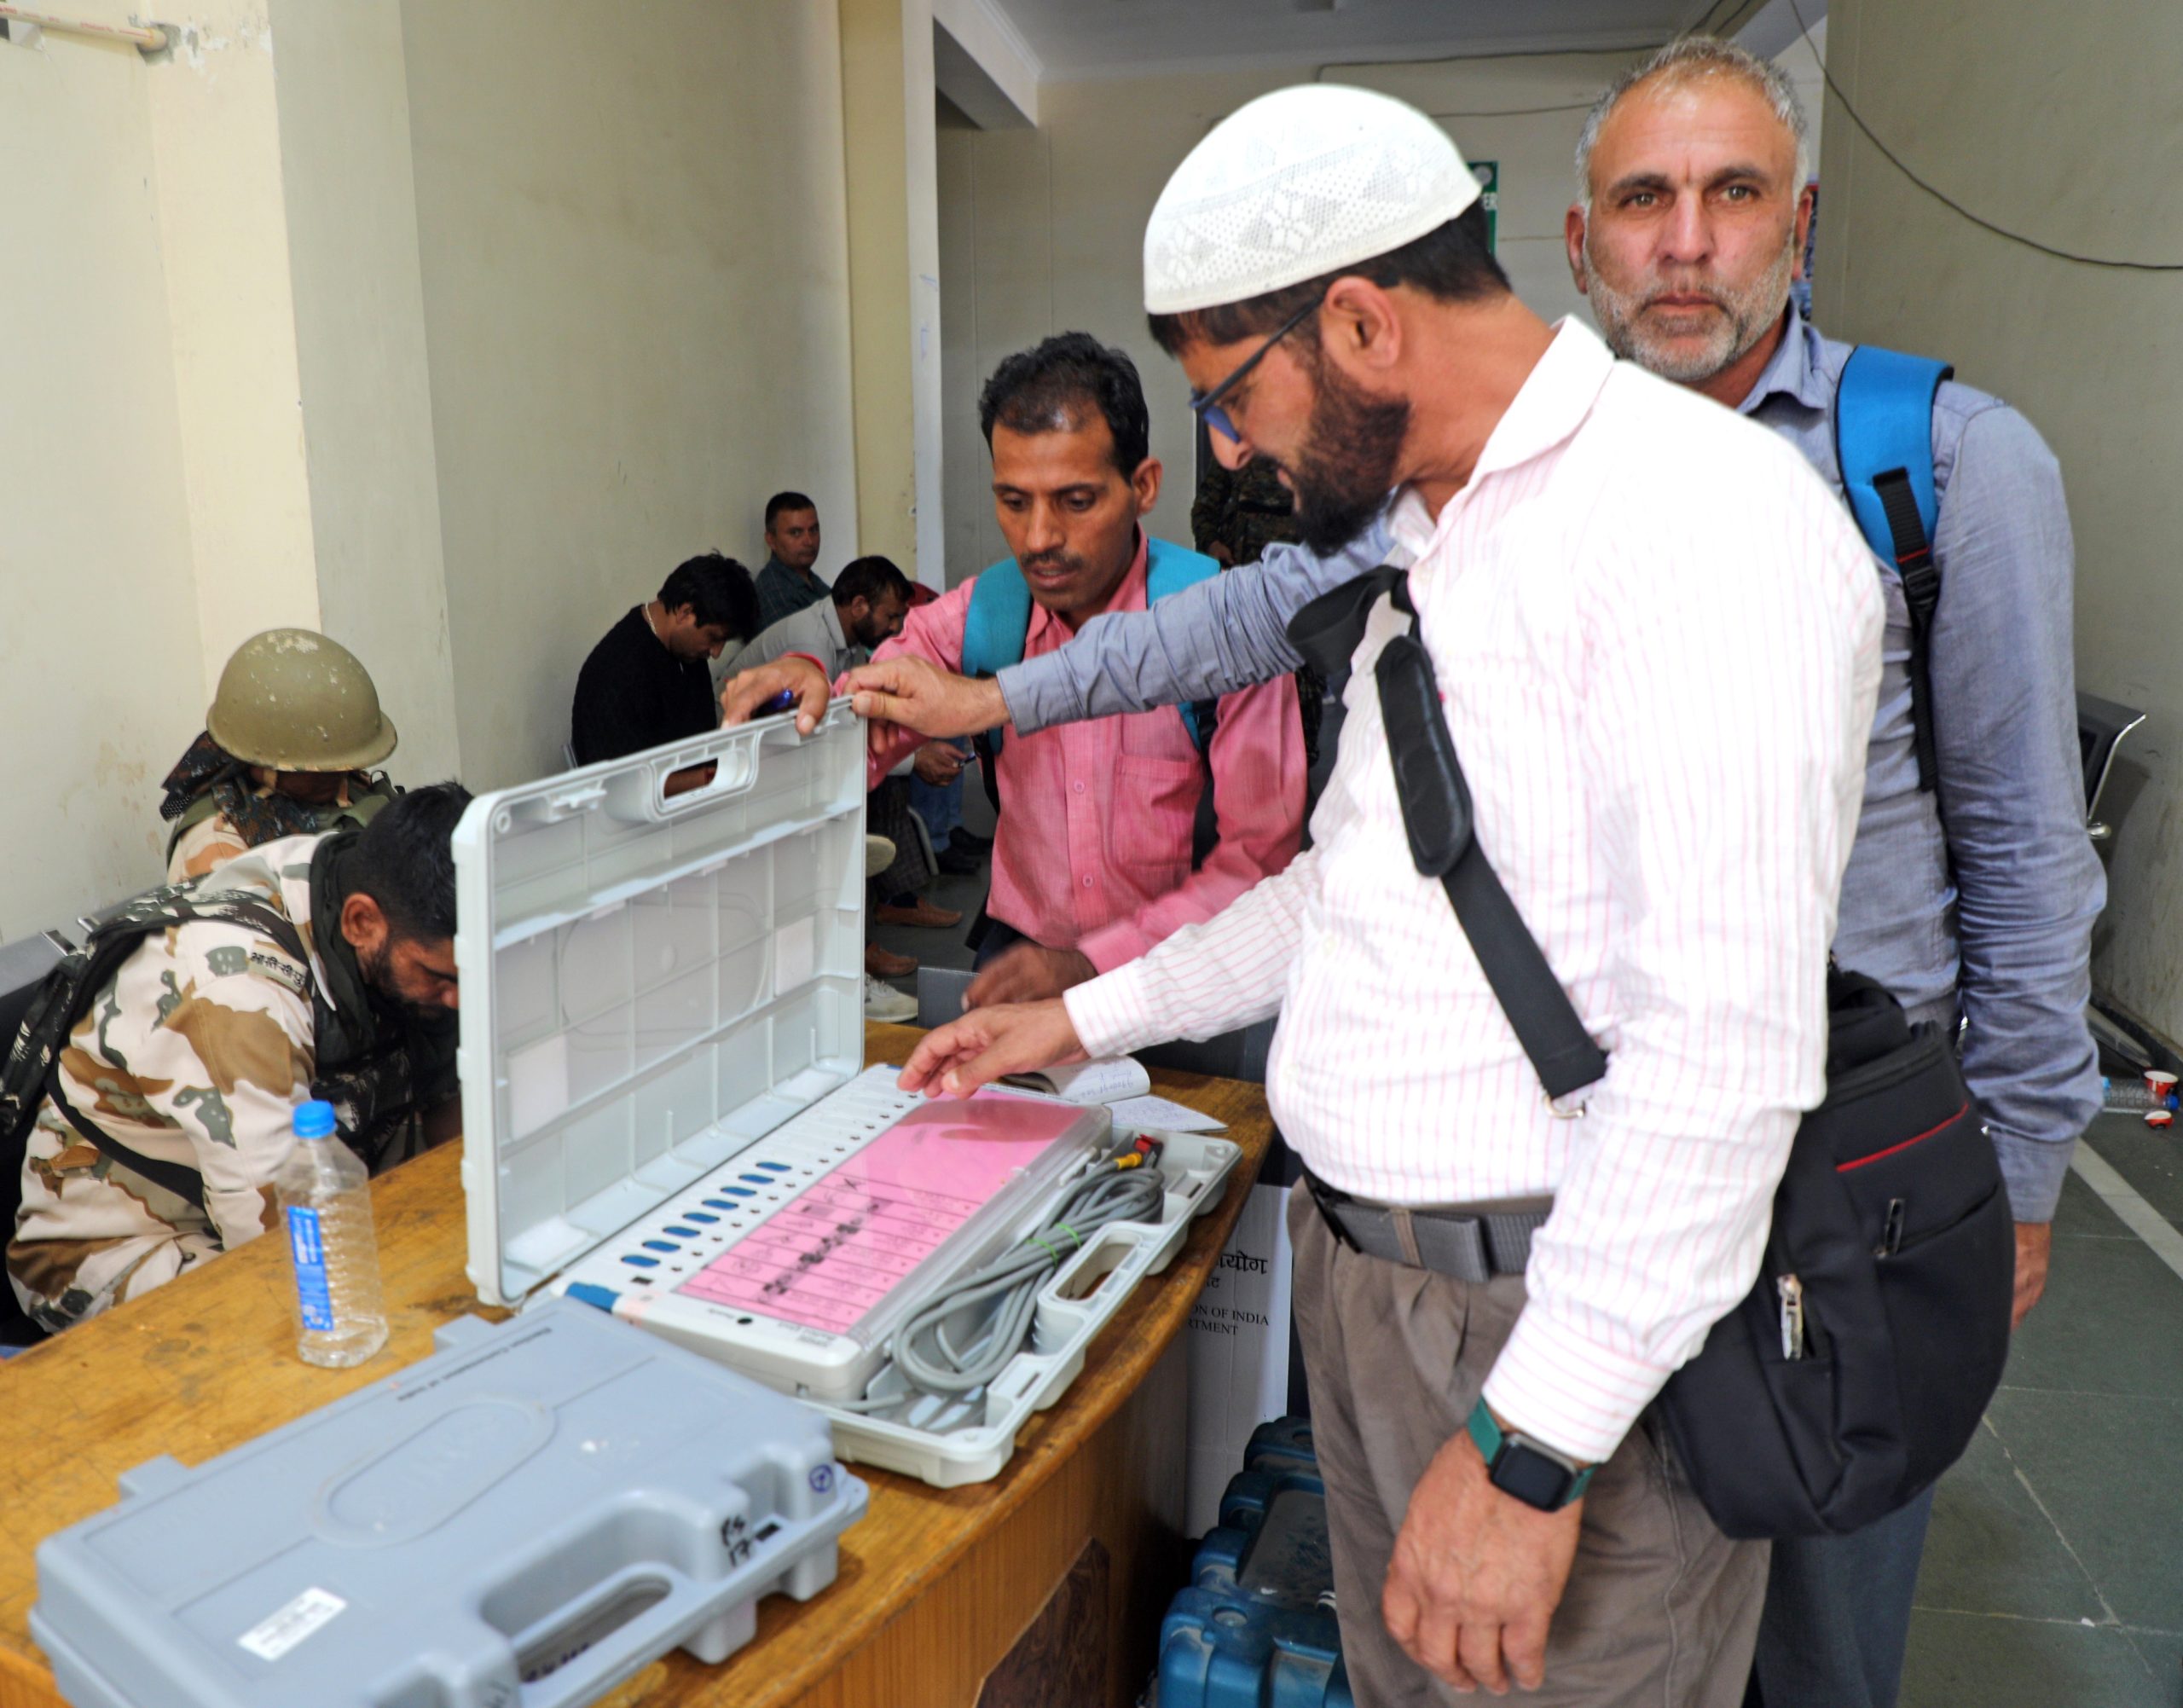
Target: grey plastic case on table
[[522, 1521], [650, 982]]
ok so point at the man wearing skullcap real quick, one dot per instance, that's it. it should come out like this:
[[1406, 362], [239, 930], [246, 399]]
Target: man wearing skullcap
[[1652, 636]]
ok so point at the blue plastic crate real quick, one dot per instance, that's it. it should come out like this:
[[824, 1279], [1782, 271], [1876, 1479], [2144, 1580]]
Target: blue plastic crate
[[1283, 1445], [1256, 1629], [1217, 1653]]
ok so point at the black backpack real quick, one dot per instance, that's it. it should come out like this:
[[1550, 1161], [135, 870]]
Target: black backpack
[[31, 1075], [1855, 1371]]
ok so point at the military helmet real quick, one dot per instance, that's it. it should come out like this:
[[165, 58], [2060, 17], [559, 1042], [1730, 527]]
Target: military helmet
[[294, 700]]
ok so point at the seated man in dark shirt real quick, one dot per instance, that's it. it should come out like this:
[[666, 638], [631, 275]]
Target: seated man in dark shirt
[[648, 681]]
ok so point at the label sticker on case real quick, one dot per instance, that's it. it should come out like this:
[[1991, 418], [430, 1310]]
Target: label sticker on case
[[272, 1638]]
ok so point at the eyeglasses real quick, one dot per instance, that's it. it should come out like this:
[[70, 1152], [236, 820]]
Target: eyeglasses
[[1207, 403]]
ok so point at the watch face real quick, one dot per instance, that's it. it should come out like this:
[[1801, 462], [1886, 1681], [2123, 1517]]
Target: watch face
[[1531, 1477]]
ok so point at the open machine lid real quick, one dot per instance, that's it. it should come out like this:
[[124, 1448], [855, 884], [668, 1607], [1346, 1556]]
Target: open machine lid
[[651, 981]]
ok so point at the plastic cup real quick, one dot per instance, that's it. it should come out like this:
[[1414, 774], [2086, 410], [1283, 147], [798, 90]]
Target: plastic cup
[[2160, 1084]]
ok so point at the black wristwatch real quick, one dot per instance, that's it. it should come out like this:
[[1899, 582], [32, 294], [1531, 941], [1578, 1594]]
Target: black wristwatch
[[1533, 1473]]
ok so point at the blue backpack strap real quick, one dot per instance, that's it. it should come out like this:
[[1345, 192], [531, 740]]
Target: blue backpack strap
[[999, 618], [993, 632], [1884, 443], [1168, 569]]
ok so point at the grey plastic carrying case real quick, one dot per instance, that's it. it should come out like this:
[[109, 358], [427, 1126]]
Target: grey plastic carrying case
[[524, 1519]]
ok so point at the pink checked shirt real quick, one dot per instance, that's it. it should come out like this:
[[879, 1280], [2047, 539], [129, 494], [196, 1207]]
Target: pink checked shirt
[[1657, 636], [1093, 850]]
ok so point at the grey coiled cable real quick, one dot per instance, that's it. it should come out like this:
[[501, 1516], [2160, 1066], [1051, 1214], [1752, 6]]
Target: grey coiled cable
[[922, 1350]]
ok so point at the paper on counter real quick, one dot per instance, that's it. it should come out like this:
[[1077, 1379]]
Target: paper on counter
[[1090, 1082], [1162, 1115]]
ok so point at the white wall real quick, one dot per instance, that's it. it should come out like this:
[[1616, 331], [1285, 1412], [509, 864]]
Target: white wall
[[224, 239], [102, 678], [634, 260], [351, 208], [1042, 231], [2061, 123]]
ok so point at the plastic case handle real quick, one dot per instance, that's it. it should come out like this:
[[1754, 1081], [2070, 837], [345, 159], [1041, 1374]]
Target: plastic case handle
[[611, 1655], [640, 797]]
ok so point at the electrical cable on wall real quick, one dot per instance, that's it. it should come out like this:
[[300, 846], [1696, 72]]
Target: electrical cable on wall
[[1955, 206]]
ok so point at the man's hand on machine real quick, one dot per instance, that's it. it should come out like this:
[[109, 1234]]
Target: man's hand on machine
[[1029, 972], [744, 695], [988, 1043], [913, 693]]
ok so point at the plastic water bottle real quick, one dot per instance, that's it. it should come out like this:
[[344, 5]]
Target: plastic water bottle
[[2136, 1096], [326, 1207]]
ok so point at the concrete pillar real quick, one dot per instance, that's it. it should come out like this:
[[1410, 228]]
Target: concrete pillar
[[224, 237], [366, 407], [894, 228]]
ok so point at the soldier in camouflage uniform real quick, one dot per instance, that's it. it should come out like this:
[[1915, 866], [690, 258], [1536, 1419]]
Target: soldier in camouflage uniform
[[1237, 515], [183, 1072], [286, 750]]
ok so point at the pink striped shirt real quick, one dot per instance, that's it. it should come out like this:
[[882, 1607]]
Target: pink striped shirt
[[1657, 636], [1093, 848]]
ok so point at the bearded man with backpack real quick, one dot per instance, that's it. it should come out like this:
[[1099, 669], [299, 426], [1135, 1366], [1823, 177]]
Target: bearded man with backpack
[[148, 1099]]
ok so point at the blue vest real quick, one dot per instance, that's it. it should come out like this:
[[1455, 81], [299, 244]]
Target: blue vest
[[999, 618]]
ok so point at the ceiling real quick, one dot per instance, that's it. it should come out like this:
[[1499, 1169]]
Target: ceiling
[[1082, 39]]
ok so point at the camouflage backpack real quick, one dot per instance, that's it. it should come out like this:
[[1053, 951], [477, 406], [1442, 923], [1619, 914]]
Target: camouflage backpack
[[31, 1071]]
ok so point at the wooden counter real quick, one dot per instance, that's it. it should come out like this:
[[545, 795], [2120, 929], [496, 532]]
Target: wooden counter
[[1042, 1587]]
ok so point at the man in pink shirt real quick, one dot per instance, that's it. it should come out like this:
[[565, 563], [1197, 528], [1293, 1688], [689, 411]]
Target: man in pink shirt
[[1091, 863]]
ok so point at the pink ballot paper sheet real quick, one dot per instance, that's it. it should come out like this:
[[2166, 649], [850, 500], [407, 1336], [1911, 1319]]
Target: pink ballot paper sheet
[[829, 1256]]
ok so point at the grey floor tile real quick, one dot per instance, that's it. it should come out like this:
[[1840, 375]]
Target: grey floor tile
[[2150, 1158], [1971, 1660], [2162, 1654], [1992, 1550], [2082, 1215], [2105, 1467], [2111, 1321]]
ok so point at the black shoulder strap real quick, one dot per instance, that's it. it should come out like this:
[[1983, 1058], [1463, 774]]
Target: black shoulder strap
[[1921, 593], [179, 1177], [1436, 813]]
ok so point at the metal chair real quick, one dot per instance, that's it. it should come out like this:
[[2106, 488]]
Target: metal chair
[[2101, 726]]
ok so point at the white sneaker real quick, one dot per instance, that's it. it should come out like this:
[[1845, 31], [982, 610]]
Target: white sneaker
[[882, 1001]]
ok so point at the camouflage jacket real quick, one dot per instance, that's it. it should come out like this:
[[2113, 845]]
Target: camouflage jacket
[[218, 810], [194, 1053]]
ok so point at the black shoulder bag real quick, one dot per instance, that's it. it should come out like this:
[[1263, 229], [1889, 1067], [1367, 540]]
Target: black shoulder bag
[[1856, 1368]]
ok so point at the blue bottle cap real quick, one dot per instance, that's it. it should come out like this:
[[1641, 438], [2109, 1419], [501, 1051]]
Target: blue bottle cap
[[315, 1119]]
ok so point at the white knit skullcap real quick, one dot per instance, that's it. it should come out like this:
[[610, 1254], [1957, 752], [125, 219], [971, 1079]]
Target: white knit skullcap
[[1299, 182]]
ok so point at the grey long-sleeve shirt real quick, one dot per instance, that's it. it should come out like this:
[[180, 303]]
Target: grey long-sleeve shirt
[[1994, 917]]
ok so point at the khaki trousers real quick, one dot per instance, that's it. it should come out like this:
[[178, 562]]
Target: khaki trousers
[[1661, 1609]]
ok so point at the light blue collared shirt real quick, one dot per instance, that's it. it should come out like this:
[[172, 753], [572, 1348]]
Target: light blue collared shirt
[[1994, 918], [1994, 914]]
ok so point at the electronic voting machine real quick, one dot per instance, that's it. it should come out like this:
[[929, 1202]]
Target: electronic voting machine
[[528, 1516], [666, 1114]]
